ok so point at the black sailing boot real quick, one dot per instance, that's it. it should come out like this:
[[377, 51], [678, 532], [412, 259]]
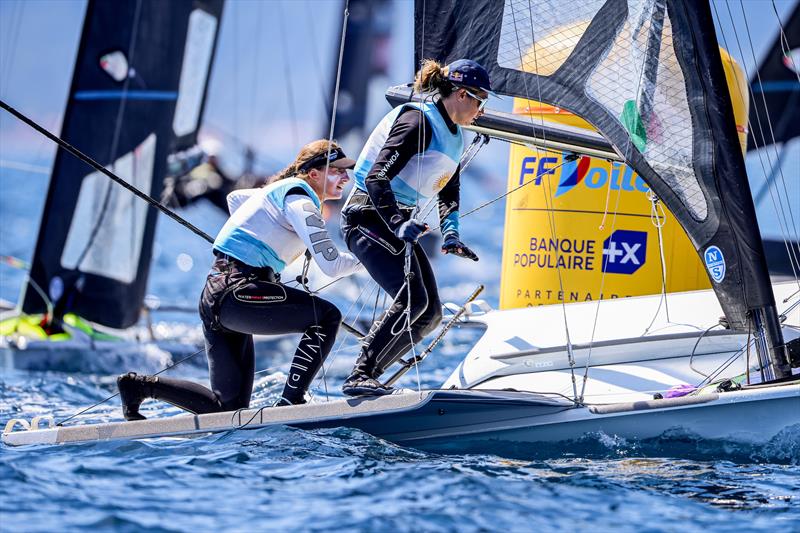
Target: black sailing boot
[[361, 382], [133, 389]]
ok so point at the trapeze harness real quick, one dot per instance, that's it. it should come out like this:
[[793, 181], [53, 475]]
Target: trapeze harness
[[268, 229], [411, 155]]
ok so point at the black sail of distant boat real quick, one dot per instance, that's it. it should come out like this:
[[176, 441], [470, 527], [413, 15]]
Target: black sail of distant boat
[[775, 89], [648, 75], [366, 57], [137, 95]]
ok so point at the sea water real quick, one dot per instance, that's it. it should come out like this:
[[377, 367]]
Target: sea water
[[282, 478]]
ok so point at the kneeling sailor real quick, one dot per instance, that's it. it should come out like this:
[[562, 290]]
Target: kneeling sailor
[[268, 228]]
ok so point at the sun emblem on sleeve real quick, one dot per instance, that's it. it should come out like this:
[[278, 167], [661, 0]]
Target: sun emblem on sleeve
[[441, 182]]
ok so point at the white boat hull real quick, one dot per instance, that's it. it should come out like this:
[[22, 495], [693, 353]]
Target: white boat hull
[[478, 421]]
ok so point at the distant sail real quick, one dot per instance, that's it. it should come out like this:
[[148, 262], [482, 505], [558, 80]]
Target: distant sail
[[778, 84], [137, 95], [366, 57], [648, 75]]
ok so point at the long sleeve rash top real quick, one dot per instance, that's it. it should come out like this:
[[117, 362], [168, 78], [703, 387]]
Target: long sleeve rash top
[[275, 229], [411, 134]]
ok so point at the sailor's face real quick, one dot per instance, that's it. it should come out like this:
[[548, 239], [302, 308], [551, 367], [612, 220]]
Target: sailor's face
[[469, 106], [335, 181]]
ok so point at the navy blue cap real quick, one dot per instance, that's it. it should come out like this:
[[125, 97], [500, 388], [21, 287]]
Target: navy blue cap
[[469, 73]]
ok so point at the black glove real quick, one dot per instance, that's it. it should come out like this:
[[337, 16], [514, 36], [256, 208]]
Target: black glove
[[410, 230], [452, 245]]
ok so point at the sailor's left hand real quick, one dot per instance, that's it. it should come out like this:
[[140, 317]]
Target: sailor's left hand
[[452, 245]]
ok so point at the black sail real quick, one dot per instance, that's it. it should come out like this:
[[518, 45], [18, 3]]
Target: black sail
[[775, 89], [137, 95], [648, 75]]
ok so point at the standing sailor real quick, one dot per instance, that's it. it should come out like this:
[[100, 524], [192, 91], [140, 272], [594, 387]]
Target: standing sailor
[[268, 228], [411, 155]]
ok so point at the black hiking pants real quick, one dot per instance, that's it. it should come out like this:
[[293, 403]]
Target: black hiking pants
[[383, 255], [237, 302]]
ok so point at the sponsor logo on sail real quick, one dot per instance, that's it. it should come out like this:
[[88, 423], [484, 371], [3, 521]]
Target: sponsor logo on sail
[[624, 251], [715, 263], [581, 173]]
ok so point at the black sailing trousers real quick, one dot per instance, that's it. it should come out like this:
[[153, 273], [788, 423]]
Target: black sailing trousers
[[383, 255], [238, 302]]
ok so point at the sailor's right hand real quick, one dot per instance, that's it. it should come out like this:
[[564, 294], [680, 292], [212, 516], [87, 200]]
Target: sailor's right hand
[[411, 230]]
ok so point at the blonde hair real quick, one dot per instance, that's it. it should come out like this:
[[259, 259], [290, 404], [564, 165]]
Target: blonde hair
[[432, 77], [306, 154]]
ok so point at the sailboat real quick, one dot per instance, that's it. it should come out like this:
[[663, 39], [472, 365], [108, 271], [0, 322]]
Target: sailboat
[[137, 96], [648, 75]]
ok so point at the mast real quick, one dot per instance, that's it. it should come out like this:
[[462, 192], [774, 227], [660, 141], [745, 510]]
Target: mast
[[649, 77]]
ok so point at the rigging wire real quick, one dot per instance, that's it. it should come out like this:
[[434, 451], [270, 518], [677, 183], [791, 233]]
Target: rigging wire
[[287, 72], [256, 73], [656, 28], [772, 133], [785, 42], [782, 222], [168, 367], [97, 166], [112, 156], [310, 23], [547, 188], [10, 52]]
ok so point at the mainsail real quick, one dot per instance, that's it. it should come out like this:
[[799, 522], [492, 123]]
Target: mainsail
[[136, 96], [647, 75]]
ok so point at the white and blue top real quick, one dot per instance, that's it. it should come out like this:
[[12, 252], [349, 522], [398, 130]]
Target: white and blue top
[[427, 172], [272, 226]]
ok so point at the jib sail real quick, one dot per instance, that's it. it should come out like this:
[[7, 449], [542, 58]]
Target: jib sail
[[136, 96]]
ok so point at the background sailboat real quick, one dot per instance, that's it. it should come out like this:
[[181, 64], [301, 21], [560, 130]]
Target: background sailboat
[[137, 95]]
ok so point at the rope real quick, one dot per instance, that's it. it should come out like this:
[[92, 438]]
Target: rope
[[782, 221], [658, 218], [795, 253], [97, 166]]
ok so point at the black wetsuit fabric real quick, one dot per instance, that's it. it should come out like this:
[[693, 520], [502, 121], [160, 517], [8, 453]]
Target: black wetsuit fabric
[[237, 302], [368, 223], [383, 255]]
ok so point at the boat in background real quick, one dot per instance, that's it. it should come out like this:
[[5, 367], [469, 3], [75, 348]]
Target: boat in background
[[137, 96]]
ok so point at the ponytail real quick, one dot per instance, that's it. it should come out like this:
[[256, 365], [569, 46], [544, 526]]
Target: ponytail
[[432, 77]]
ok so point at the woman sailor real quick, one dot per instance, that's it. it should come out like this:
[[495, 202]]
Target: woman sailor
[[411, 155], [268, 228]]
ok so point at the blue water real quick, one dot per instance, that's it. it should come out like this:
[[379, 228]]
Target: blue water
[[283, 478]]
